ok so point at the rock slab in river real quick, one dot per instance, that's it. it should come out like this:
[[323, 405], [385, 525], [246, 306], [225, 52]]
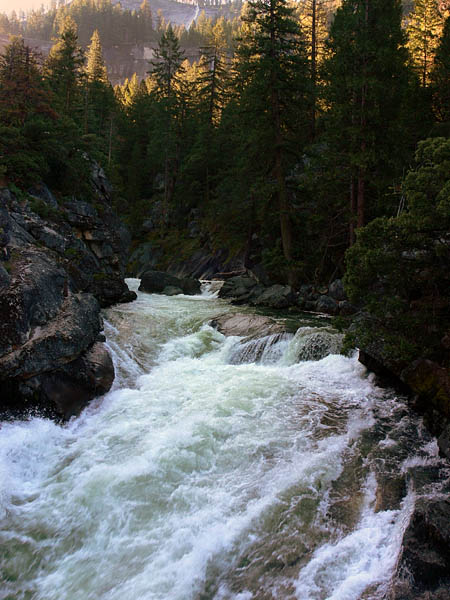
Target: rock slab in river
[[241, 324]]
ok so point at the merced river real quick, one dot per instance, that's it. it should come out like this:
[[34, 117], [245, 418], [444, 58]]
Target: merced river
[[212, 471]]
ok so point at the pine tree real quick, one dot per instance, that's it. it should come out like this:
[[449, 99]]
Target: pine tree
[[424, 28], [63, 67], [167, 62], [440, 76], [166, 70], [273, 82], [367, 82], [95, 63], [99, 97], [313, 18]]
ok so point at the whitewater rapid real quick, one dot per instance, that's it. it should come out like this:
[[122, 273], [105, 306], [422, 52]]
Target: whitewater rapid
[[205, 476]]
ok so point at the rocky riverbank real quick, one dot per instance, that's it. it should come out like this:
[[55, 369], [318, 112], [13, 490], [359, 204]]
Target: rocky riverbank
[[60, 263]]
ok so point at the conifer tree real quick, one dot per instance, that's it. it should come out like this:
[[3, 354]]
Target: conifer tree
[[166, 70], [63, 67], [424, 28], [313, 18], [273, 82], [95, 63], [367, 82], [440, 76]]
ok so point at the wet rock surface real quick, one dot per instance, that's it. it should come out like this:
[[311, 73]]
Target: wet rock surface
[[248, 325], [424, 566], [60, 262], [159, 282]]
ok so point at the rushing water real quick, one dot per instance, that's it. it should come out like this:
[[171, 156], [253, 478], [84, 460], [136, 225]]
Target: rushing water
[[203, 475]]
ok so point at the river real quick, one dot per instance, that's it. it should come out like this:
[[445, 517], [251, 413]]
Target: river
[[202, 477]]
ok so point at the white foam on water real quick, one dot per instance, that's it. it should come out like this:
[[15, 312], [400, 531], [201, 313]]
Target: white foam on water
[[344, 569], [166, 481]]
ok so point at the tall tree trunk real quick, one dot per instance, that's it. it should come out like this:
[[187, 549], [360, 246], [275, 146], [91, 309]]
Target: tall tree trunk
[[353, 206], [313, 66], [283, 204]]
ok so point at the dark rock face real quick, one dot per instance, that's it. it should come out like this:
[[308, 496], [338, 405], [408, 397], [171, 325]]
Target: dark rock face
[[425, 561], [328, 305], [155, 282], [276, 296], [58, 265]]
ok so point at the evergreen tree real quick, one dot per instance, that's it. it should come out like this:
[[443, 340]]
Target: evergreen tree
[[313, 18], [63, 67], [167, 70], [95, 63], [99, 96], [367, 83], [272, 81], [26, 117], [424, 28], [440, 76]]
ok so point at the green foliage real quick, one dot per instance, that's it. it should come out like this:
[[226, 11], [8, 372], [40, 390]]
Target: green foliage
[[398, 268]]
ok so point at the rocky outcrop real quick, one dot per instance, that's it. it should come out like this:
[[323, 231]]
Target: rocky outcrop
[[424, 565], [243, 289], [248, 325], [158, 282], [60, 262]]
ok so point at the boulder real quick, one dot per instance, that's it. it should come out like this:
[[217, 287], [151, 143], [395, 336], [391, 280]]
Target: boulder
[[52, 285], [237, 286], [190, 287], [346, 309], [172, 290], [68, 390], [327, 305], [425, 557], [276, 296], [241, 324], [155, 282], [336, 290]]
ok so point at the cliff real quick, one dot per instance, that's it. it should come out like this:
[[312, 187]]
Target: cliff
[[60, 263]]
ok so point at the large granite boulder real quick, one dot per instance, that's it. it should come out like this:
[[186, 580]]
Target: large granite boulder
[[248, 325], [276, 296], [155, 282]]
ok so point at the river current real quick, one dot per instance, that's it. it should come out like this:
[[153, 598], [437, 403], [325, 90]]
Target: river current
[[205, 474]]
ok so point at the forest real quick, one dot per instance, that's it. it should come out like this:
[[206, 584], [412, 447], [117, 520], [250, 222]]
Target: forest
[[312, 139]]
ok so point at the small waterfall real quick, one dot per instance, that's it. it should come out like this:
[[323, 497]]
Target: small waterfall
[[267, 350], [211, 288], [313, 343], [309, 343]]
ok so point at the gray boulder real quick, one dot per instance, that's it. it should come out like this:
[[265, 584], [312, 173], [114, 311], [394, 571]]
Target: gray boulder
[[172, 290], [242, 324], [155, 282], [236, 287], [276, 296], [336, 290], [327, 305], [190, 287]]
